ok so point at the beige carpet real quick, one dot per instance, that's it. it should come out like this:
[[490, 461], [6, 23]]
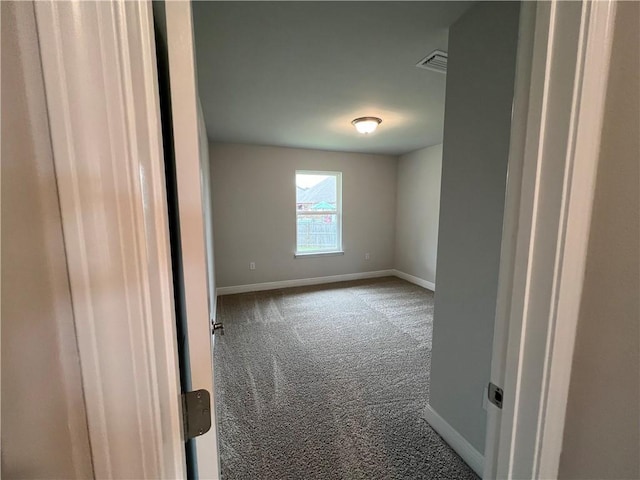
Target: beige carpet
[[329, 382]]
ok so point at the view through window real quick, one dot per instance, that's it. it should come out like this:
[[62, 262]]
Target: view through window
[[318, 212]]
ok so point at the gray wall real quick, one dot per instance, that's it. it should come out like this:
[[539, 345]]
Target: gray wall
[[602, 435], [44, 430], [480, 82], [254, 212], [418, 208]]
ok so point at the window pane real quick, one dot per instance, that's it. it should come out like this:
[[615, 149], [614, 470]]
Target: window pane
[[317, 232], [316, 192]]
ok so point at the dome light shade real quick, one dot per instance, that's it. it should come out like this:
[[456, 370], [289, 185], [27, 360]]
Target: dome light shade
[[366, 125]]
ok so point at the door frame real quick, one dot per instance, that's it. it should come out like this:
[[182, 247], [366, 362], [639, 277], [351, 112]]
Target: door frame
[[105, 130], [192, 181], [561, 82], [100, 78]]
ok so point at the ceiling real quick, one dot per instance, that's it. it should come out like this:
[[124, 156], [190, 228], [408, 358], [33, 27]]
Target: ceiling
[[296, 73]]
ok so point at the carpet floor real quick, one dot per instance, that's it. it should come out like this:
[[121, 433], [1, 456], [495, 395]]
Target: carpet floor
[[329, 382]]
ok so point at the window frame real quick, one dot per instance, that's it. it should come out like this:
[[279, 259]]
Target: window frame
[[337, 212]]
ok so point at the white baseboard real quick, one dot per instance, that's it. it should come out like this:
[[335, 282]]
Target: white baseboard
[[469, 454], [413, 279], [301, 282]]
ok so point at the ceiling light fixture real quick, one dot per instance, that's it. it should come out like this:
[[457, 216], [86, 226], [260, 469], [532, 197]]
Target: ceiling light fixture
[[366, 125]]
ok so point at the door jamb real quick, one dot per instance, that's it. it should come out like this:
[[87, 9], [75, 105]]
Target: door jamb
[[548, 208]]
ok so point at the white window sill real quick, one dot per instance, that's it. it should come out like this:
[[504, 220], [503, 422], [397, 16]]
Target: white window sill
[[317, 254]]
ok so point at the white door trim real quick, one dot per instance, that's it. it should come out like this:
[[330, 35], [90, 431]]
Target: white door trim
[[552, 170], [519, 133], [99, 68]]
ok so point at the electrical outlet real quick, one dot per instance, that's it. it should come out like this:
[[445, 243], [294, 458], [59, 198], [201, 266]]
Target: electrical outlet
[[367, 256], [252, 265]]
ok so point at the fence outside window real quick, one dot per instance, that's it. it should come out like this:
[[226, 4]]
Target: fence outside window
[[317, 232]]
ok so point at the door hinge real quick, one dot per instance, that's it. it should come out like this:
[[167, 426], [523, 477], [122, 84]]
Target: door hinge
[[495, 395], [217, 326], [196, 413]]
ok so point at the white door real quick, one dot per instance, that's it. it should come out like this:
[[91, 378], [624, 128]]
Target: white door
[[193, 202]]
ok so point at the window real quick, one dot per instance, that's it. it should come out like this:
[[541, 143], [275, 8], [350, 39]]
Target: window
[[318, 212]]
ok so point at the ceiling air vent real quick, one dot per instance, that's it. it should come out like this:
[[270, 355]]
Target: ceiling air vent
[[436, 61]]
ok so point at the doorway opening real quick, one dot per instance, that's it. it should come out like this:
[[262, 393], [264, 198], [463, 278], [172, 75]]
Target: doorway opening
[[423, 193]]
